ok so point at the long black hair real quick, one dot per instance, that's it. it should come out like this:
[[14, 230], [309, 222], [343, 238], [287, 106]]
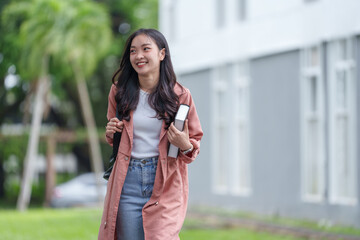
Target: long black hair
[[163, 100]]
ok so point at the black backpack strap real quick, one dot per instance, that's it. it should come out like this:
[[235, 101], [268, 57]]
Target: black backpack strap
[[117, 135]]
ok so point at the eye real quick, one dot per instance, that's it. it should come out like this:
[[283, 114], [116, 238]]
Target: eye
[[132, 51], [146, 48]]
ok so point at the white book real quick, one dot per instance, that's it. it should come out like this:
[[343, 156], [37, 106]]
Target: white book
[[179, 122]]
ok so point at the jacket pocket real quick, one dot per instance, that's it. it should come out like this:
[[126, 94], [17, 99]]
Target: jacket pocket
[[152, 205]]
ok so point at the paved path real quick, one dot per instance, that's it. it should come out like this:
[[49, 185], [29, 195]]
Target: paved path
[[213, 221]]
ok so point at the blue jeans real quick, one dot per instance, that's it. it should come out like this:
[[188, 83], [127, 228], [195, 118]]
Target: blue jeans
[[137, 190]]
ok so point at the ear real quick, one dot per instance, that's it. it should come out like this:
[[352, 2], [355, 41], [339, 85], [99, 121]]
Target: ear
[[162, 54]]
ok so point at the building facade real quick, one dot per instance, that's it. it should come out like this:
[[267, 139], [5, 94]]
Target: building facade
[[276, 84]]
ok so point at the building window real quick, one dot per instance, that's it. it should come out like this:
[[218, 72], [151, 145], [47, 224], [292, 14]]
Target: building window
[[220, 13], [342, 122], [313, 137], [240, 140], [220, 139], [241, 10], [231, 163]]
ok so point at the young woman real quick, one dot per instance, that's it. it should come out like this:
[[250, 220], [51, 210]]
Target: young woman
[[147, 191]]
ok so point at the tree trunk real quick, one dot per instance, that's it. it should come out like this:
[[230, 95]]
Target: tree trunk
[[2, 179], [27, 104], [50, 168], [33, 143], [95, 153]]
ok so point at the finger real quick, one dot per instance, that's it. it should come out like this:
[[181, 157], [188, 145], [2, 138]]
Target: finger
[[114, 124], [119, 129], [109, 128], [120, 124], [170, 134], [115, 119], [169, 137], [109, 133], [186, 127], [173, 129], [114, 129]]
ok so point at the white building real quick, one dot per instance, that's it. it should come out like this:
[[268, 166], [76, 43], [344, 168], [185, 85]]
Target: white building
[[276, 88]]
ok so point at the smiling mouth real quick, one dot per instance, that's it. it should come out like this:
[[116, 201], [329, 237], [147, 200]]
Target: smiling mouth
[[140, 64]]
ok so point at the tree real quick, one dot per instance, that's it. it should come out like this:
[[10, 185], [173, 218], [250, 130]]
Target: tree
[[72, 33], [36, 51], [86, 37]]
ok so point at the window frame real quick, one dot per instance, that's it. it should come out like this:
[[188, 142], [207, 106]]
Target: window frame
[[228, 79], [309, 71], [241, 159], [336, 65], [219, 85]]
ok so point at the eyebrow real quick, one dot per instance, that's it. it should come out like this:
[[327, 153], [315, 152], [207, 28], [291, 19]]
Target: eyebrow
[[145, 44]]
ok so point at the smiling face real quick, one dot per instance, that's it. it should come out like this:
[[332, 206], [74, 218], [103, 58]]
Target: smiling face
[[145, 56]]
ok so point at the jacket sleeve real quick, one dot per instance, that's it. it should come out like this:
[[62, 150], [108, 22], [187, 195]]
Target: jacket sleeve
[[111, 112], [195, 131]]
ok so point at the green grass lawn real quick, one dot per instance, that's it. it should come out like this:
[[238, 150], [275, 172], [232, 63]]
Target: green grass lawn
[[50, 224], [78, 224]]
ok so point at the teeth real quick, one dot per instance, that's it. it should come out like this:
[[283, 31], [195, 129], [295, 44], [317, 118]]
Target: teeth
[[140, 64]]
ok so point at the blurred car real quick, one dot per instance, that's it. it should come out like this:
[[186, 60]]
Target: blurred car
[[79, 191]]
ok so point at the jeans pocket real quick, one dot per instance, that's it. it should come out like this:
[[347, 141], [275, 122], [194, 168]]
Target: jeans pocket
[[149, 173], [132, 181]]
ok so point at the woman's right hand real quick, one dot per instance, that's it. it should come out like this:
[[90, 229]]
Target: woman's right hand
[[114, 125]]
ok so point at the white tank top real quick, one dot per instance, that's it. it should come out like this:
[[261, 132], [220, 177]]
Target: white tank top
[[147, 129]]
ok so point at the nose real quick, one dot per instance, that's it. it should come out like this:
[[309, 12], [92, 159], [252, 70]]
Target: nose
[[139, 55]]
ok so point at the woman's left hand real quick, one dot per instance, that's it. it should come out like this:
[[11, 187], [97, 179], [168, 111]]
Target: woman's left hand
[[179, 138]]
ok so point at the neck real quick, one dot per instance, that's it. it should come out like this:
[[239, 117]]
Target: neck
[[148, 84]]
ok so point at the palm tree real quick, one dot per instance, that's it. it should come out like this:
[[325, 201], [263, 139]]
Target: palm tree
[[36, 51], [86, 38], [75, 32]]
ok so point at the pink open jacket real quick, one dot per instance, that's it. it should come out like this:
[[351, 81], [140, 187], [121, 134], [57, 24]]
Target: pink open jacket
[[164, 213]]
